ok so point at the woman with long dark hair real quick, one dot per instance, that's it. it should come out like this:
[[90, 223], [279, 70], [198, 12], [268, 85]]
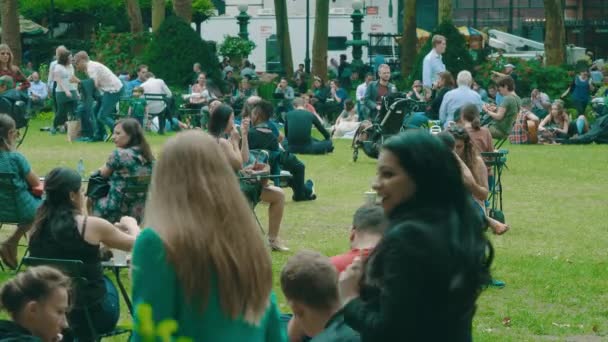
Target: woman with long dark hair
[[221, 125], [132, 157], [65, 93], [62, 231], [424, 277]]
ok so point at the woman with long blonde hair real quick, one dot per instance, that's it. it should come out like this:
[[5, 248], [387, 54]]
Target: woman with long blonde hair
[[9, 69], [202, 262]]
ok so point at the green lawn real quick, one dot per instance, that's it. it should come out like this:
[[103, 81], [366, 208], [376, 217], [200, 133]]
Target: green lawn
[[554, 259]]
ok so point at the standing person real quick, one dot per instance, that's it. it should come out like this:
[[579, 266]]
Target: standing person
[[432, 64], [581, 88], [202, 262], [360, 94], [505, 115], [66, 94], [138, 107], [298, 128], [37, 302], [376, 90], [28, 189], [7, 68], [407, 287], [154, 85], [108, 84], [52, 85]]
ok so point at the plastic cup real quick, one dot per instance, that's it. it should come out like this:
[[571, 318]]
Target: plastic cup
[[370, 197], [119, 257]]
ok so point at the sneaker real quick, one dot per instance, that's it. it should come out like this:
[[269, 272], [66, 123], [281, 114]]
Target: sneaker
[[276, 245], [311, 185]]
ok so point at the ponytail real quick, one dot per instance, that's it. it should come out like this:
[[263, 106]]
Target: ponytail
[[470, 113]]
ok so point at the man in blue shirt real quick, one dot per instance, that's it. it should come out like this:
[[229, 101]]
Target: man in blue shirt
[[142, 70], [38, 91], [433, 64], [457, 98]]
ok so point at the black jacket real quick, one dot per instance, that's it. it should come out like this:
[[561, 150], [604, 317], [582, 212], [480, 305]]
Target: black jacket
[[12, 332], [416, 287]]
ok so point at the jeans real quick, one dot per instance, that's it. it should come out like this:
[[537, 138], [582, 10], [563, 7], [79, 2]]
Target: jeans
[[289, 162], [315, 147], [66, 108], [104, 115], [104, 315]]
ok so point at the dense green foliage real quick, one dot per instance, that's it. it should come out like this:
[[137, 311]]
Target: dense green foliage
[[119, 51], [235, 46], [174, 48], [456, 56]]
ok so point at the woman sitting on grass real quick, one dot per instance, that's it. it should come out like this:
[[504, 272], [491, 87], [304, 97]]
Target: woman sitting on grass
[[62, 231], [201, 262], [37, 302], [132, 157], [348, 121], [221, 124], [28, 189], [557, 124]]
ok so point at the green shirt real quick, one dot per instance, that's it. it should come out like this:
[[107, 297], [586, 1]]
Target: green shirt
[[15, 163], [336, 330], [155, 283], [298, 127], [138, 107], [511, 104]]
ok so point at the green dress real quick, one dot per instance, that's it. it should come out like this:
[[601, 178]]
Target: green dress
[[155, 283]]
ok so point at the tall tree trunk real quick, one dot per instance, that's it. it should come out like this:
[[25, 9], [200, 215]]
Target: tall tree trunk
[[555, 33], [134, 13], [11, 35], [445, 10], [158, 13], [280, 8], [410, 39], [319, 41], [183, 9]]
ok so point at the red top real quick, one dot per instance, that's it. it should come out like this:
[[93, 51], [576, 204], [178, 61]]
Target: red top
[[342, 261], [18, 77]]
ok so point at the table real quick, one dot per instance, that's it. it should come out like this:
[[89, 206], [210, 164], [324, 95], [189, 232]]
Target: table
[[116, 268]]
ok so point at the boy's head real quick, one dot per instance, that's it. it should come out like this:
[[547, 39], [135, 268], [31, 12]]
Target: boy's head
[[6, 83], [138, 91], [310, 283]]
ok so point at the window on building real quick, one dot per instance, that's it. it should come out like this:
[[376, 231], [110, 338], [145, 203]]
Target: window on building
[[336, 43]]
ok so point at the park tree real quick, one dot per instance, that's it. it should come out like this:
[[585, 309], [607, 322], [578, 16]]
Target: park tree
[[135, 19], [555, 33], [445, 10], [158, 13], [409, 38], [282, 19], [183, 9], [319, 42], [11, 35]]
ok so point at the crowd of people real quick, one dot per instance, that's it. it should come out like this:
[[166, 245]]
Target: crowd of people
[[416, 260]]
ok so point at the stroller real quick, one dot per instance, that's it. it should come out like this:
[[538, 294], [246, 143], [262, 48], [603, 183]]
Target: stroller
[[392, 119]]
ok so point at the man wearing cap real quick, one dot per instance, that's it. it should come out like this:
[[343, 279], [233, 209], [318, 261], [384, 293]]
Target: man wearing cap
[[509, 71], [433, 64]]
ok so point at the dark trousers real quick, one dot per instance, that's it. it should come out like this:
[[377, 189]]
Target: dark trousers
[[66, 108], [314, 147], [291, 163], [104, 115]]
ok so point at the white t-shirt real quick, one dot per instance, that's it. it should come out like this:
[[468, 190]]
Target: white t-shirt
[[63, 75]]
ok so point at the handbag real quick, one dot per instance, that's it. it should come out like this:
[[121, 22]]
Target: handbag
[[98, 186]]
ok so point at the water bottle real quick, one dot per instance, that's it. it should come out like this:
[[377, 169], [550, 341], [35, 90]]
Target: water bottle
[[80, 168]]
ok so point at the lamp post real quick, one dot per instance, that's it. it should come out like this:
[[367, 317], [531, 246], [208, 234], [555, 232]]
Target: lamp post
[[307, 54], [243, 19], [357, 42]]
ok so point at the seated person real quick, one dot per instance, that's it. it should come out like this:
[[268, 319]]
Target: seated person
[[369, 223], [506, 113], [417, 93], [286, 94], [521, 130], [241, 94], [471, 121], [200, 94], [262, 136], [557, 124], [28, 189], [132, 157], [310, 284], [457, 98], [38, 91], [62, 231], [298, 128], [236, 149], [334, 103], [347, 121], [541, 104], [37, 302]]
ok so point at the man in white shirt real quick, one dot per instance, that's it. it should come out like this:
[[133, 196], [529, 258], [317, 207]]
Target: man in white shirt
[[108, 84], [158, 107], [433, 64], [360, 94]]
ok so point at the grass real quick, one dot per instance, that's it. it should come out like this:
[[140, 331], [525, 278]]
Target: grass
[[554, 259]]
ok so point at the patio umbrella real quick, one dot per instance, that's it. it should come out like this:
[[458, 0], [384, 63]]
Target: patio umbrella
[[30, 28]]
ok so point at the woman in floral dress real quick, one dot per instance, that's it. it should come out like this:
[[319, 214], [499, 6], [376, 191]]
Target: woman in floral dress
[[132, 157]]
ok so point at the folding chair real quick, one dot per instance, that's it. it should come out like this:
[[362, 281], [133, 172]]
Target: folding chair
[[136, 189], [496, 160], [11, 212], [75, 269], [258, 178], [162, 115]]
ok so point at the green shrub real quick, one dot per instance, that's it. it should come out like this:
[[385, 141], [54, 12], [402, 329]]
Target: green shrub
[[234, 46], [174, 48], [456, 56], [119, 51]]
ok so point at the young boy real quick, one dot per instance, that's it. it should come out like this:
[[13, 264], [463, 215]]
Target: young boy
[[310, 283], [137, 107]]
